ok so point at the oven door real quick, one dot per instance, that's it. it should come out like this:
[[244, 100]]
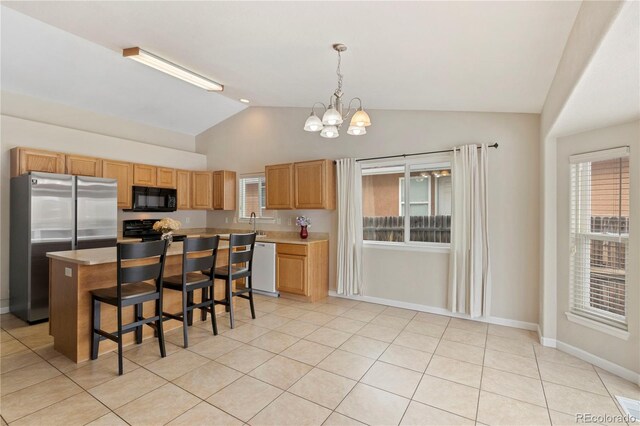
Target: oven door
[[147, 199]]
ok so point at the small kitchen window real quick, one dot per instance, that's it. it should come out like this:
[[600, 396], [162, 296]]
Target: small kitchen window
[[252, 196]]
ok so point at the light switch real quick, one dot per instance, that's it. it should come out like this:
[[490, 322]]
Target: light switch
[[68, 272]]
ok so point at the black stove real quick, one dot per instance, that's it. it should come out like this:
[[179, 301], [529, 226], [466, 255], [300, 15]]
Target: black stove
[[143, 228]]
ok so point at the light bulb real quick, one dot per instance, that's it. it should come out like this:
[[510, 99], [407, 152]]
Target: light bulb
[[356, 131], [313, 123], [329, 132], [331, 117]]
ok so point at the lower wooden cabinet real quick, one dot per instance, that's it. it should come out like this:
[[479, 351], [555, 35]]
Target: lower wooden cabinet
[[302, 270], [25, 160], [183, 187], [83, 166], [123, 173]]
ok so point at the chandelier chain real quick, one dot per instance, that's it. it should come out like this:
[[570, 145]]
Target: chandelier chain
[[339, 73]]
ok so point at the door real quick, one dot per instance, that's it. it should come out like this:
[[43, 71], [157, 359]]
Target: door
[[144, 175], [96, 212], [291, 273], [310, 180], [123, 174], [183, 186], [166, 177], [24, 160], [201, 190], [83, 166], [279, 184]]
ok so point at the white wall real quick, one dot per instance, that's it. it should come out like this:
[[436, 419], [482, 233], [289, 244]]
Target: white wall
[[22, 132], [613, 349], [259, 136]]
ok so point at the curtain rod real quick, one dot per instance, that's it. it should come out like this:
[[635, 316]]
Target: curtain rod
[[495, 145]]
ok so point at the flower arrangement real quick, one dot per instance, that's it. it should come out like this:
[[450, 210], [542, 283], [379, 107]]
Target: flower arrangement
[[167, 225], [303, 221]]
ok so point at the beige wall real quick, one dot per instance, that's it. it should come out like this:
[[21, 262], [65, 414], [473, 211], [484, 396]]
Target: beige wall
[[23, 132], [260, 136], [613, 349]]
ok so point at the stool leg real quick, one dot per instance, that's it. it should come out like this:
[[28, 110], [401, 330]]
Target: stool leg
[[229, 300], [253, 309], [120, 362], [205, 296], [189, 304], [185, 318], [214, 322], [159, 330], [95, 340], [138, 317]]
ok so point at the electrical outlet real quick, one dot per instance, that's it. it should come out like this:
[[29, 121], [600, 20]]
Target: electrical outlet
[[235, 219], [289, 222], [68, 272], [278, 221], [187, 219], [226, 220]]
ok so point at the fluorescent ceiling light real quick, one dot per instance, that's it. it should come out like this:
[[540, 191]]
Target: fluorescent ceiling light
[[170, 68]]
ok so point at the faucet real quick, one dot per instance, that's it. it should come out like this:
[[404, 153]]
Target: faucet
[[252, 218]]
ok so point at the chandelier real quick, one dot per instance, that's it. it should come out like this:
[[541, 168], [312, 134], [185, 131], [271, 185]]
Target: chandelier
[[333, 115]]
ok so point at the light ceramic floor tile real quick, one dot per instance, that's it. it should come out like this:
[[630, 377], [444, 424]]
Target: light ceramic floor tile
[[331, 309], [158, 407], [562, 419], [454, 370], [364, 346], [619, 386], [432, 318], [215, 347], [270, 321], [274, 341], [205, 414], [511, 363], [449, 396], [570, 376], [371, 307], [544, 354], [426, 328], [246, 333], [245, 358], [175, 365], [512, 346], [389, 321], [26, 376], [317, 318], [373, 406], [328, 337], [124, 389], [402, 356], [359, 315], [379, 332], [464, 336], [147, 352], [417, 341], [573, 401], [346, 364], [423, 415], [76, 410], [461, 352], [347, 325], [498, 410], [297, 329], [47, 352], [291, 410], [109, 419], [289, 312], [103, 369], [12, 347], [392, 378], [18, 360], [281, 372], [208, 379], [196, 335], [38, 396], [36, 341], [510, 332], [399, 312], [323, 387], [468, 325], [308, 352], [245, 397], [513, 386], [337, 419]]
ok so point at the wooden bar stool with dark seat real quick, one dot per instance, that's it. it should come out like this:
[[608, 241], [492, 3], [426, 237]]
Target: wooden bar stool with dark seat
[[131, 290], [192, 279], [240, 253]]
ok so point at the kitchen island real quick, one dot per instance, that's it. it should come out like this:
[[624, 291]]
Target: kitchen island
[[72, 276]]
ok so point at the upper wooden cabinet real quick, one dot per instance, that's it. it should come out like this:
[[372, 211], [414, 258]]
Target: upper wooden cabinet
[[144, 175], [83, 166], [183, 186], [166, 177], [279, 185], [24, 160], [224, 190], [315, 185], [201, 190], [123, 173]]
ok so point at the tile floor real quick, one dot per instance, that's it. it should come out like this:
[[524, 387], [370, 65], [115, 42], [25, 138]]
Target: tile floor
[[339, 362]]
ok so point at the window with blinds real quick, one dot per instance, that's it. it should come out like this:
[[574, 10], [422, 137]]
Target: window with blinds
[[252, 196], [600, 235]]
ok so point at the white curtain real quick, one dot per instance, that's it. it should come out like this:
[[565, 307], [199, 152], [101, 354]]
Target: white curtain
[[349, 187], [469, 274]]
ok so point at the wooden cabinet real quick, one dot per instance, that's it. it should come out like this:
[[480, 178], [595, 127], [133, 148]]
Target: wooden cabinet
[[123, 173], [279, 185], [24, 160], [224, 190], [166, 177], [183, 187], [83, 166], [315, 185], [144, 175], [302, 270], [201, 190]]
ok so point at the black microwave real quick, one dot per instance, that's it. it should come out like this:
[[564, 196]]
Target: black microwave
[[147, 199]]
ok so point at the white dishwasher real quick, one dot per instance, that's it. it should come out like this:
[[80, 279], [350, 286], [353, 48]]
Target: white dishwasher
[[264, 269]]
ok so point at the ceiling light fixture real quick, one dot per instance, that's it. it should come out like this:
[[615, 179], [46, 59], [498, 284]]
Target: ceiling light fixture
[[170, 68], [244, 101], [333, 116]]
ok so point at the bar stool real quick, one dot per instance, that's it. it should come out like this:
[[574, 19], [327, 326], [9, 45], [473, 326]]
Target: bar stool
[[132, 291], [231, 272], [192, 279]]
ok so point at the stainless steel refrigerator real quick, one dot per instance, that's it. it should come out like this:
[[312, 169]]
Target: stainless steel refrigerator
[[52, 212]]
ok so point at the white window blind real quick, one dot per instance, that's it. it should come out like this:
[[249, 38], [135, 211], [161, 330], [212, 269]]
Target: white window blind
[[600, 236], [252, 196]]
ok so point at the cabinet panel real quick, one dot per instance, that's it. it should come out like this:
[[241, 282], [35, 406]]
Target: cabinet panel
[[123, 173], [144, 175], [166, 177], [201, 190], [83, 166], [24, 160], [314, 184], [279, 185], [224, 190], [291, 273], [183, 186]]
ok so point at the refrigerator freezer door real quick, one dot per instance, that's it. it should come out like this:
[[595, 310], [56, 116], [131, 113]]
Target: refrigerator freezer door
[[51, 208], [96, 212]]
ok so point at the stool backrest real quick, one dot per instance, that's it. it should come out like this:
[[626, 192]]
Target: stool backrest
[[200, 263], [152, 250], [247, 241]]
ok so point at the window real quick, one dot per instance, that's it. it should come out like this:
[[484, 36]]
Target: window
[[599, 225], [252, 196], [384, 201]]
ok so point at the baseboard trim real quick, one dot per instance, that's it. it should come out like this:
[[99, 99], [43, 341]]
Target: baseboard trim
[[4, 310], [545, 341], [439, 311]]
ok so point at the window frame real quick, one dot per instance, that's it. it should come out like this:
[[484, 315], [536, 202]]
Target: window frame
[[443, 160], [413, 203], [241, 201]]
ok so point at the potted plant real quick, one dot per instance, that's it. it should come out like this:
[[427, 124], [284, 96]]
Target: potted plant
[[166, 226]]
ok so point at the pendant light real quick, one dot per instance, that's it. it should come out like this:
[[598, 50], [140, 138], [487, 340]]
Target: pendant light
[[329, 132], [313, 123]]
